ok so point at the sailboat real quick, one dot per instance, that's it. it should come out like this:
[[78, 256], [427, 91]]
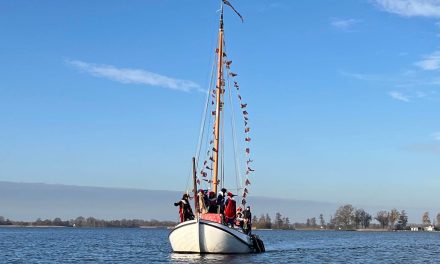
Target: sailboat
[[208, 232]]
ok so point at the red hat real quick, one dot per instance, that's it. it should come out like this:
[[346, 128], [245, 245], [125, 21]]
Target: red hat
[[230, 194]]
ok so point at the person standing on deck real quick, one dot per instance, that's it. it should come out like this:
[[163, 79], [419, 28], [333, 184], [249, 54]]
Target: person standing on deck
[[221, 201], [185, 211], [201, 197], [247, 220], [230, 209]]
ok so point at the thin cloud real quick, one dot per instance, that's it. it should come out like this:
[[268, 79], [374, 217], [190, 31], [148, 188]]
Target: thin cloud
[[429, 148], [410, 8], [361, 76], [399, 96], [436, 136], [136, 76], [430, 62], [344, 24]]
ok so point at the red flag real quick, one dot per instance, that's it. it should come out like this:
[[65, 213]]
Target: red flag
[[248, 182], [204, 174], [248, 150], [228, 64], [243, 105], [248, 139], [244, 195], [213, 112]]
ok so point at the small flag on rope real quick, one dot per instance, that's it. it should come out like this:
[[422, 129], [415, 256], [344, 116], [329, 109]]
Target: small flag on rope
[[248, 139], [243, 202], [247, 129], [248, 151], [233, 74], [210, 142], [214, 149], [213, 113], [246, 118], [244, 195], [246, 190], [245, 112], [247, 182], [198, 181], [204, 174], [239, 97], [207, 167], [249, 169], [228, 64], [249, 161], [211, 158], [245, 123], [205, 162], [243, 105], [224, 54]]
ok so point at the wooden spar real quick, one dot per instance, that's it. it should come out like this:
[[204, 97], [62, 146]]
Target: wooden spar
[[196, 200], [218, 106]]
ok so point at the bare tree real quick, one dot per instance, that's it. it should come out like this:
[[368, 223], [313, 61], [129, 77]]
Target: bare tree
[[345, 215], [394, 216], [321, 220], [425, 219], [383, 217], [438, 219]]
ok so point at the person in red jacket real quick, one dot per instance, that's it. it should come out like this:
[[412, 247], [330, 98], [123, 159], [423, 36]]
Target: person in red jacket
[[230, 210]]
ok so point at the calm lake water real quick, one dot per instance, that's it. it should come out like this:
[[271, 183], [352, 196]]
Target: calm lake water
[[107, 245]]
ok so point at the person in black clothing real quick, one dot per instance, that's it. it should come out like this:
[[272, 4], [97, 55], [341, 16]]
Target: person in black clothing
[[212, 203], [185, 211], [221, 200], [247, 220]]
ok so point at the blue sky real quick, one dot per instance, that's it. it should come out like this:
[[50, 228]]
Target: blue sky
[[344, 95]]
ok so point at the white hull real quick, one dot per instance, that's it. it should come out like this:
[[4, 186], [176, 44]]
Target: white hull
[[201, 236]]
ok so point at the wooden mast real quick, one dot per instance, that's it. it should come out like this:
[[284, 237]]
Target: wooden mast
[[218, 109]]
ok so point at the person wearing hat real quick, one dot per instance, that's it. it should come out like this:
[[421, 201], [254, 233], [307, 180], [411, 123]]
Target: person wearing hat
[[185, 211], [247, 220], [221, 201], [230, 209]]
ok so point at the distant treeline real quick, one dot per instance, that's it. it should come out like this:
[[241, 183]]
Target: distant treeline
[[348, 217], [89, 222]]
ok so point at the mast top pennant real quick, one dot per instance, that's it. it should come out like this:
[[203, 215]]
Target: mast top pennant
[[229, 4]]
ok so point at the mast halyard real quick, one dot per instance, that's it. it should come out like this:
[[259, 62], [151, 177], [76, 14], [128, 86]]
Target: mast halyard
[[219, 103]]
